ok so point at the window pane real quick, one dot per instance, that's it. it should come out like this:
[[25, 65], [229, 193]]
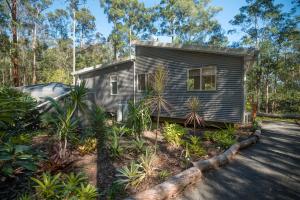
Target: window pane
[[114, 88], [208, 78], [194, 79], [141, 82]]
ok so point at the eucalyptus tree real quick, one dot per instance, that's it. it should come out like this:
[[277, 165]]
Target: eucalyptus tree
[[58, 21], [86, 25], [131, 20], [35, 9]]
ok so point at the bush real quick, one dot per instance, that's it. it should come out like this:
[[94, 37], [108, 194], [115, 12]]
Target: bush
[[88, 145], [115, 147], [17, 158], [139, 117], [72, 186], [146, 161], [224, 138], [173, 133], [195, 147], [138, 145], [17, 112]]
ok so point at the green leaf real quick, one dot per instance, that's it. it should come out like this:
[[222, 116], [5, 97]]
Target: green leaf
[[27, 165], [21, 148], [7, 170], [24, 156], [5, 156]]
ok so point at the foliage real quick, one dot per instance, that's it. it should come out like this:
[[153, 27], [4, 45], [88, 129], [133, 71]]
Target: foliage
[[15, 158], [164, 174], [114, 190], [131, 176], [193, 117], [62, 119], [224, 138], [16, 111], [138, 145], [173, 133], [115, 147], [139, 117], [88, 145], [195, 147], [146, 160], [60, 186], [157, 101]]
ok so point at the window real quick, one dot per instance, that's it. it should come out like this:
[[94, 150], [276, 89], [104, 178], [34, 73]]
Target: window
[[202, 79], [114, 85], [142, 82]]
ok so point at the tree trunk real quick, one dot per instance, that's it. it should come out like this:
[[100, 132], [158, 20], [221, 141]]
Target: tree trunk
[[157, 125], [74, 38], [267, 96], [15, 56], [34, 54]]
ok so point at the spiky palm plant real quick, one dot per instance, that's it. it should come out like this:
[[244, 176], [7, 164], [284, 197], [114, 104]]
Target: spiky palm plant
[[193, 104], [157, 100]]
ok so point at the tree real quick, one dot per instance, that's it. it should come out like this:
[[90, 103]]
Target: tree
[[59, 20], [13, 7], [189, 21], [131, 20], [36, 8], [85, 24]]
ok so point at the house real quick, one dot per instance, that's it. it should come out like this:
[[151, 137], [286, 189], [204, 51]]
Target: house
[[215, 75]]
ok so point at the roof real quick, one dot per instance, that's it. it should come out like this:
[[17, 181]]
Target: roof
[[199, 48], [102, 66]]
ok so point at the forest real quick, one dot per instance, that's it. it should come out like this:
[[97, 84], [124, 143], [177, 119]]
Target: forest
[[37, 41]]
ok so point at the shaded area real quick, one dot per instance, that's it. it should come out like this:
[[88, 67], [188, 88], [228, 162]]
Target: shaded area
[[268, 170]]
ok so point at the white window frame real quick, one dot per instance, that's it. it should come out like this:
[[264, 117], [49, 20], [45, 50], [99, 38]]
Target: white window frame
[[146, 81], [200, 68], [111, 86]]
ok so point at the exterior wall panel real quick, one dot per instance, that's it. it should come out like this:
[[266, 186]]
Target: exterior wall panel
[[223, 105], [99, 84]]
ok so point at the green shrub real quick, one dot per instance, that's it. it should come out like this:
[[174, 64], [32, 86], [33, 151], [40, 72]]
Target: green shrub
[[131, 176], [72, 186], [195, 147], [115, 147], [173, 133], [17, 113], [223, 138], [139, 117], [17, 157]]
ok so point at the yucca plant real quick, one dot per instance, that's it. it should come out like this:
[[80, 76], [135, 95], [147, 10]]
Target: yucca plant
[[115, 147], [157, 101], [130, 176], [63, 119], [193, 104]]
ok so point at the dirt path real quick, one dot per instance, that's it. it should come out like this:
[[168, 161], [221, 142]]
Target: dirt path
[[268, 170]]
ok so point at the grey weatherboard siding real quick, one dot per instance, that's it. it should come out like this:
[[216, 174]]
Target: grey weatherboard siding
[[223, 105], [99, 84]]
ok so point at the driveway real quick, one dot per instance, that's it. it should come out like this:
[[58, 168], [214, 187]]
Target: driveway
[[269, 169]]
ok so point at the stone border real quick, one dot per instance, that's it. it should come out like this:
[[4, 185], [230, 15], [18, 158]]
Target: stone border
[[177, 183]]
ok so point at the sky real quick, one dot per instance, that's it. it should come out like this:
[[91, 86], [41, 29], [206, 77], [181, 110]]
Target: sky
[[230, 9]]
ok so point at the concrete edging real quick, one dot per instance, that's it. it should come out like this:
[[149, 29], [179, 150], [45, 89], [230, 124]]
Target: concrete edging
[[177, 183]]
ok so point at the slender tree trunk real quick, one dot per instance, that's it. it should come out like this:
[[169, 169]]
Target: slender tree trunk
[[34, 54], [115, 51], [15, 55], [74, 38], [267, 96]]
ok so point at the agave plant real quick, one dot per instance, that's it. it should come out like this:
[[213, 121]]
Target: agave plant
[[157, 100], [193, 104]]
